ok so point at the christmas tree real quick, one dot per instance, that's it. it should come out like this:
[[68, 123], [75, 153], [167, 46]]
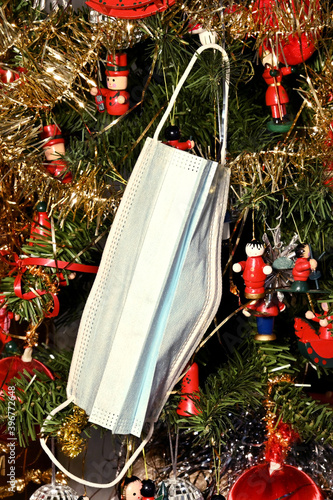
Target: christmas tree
[[166, 184]]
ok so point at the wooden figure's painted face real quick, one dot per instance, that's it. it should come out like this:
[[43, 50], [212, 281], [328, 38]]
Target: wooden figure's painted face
[[133, 490], [116, 82]]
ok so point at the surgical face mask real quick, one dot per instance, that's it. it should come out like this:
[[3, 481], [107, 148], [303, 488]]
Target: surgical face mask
[[157, 289]]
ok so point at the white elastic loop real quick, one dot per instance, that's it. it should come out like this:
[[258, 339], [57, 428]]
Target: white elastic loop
[[183, 78], [79, 479]]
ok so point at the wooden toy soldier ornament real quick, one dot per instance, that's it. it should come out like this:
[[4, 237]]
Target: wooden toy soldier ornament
[[54, 149], [255, 270], [115, 95], [265, 310], [148, 489], [302, 269], [172, 135], [132, 488], [276, 96]]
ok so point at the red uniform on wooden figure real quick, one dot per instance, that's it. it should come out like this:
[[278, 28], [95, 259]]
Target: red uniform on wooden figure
[[254, 270], [302, 269], [276, 95], [54, 149], [172, 135], [265, 310], [116, 97]]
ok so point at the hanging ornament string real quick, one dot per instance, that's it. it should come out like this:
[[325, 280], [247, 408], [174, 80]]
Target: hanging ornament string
[[174, 451]]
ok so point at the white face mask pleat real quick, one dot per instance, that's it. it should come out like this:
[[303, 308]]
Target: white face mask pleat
[[157, 289]]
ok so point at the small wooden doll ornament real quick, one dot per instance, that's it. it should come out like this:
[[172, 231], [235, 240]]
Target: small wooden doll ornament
[[54, 148], [302, 269], [148, 489], [132, 488], [313, 345], [276, 96], [190, 387], [172, 135], [265, 310], [116, 96], [255, 270]]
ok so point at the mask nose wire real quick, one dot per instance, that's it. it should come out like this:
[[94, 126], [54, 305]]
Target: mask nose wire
[[79, 479]]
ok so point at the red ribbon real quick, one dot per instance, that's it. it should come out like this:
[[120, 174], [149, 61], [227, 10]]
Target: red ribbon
[[20, 265]]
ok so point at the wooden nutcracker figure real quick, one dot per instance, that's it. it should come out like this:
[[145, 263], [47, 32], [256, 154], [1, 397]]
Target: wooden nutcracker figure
[[255, 270], [116, 97], [276, 95], [302, 269], [54, 149]]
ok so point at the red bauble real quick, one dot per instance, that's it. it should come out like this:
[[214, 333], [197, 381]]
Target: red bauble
[[13, 366], [128, 9], [297, 49], [292, 49], [287, 482]]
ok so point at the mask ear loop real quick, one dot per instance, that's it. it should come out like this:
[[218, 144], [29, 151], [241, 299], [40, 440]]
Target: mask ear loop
[[182, 81], [79, 479]]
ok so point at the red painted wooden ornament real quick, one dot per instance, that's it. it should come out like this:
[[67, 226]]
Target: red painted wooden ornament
[[128, 9], [292, 49], [287, 482], [41, 226], [54, 148], [13, 366], [5, 318], [315, 347], [190, 385]]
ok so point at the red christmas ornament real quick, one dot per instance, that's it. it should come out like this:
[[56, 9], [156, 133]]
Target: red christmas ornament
[[128, 9], [13, 366], [172, 135], [262, 483], [190, 386], [302, 268], [292, 49], [313, 346], [265, 310], [53, 150], [116, 97], [276, 97], [41, 225], [9, 76], [254, 270]]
